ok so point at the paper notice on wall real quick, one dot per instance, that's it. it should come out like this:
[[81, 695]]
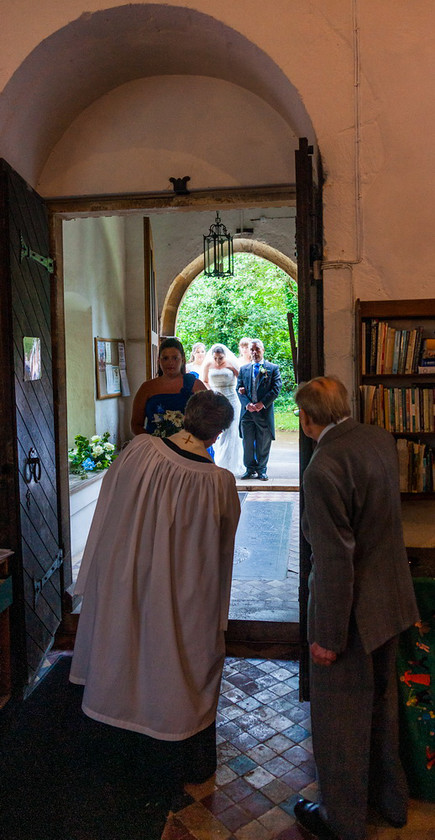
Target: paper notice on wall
[[121, 355], [113, 384], [125, 389]]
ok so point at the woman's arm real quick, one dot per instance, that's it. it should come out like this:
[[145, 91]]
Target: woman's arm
[[138, 411], [204, 374], [234, 369], [198, 386]]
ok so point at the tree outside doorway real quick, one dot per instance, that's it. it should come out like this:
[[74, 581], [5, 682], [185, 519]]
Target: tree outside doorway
[[253, 303]]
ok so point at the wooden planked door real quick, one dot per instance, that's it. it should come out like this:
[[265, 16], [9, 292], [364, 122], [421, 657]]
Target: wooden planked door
[[29, 519], [151, 313], [309, 245]]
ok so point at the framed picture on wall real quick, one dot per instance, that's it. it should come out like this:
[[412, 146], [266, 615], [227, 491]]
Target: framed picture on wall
[[110, 367]]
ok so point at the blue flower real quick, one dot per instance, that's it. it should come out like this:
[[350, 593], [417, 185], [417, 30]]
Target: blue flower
[[88, 465]]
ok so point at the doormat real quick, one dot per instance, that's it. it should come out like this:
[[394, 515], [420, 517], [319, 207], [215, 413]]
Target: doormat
[[67, 777], [263, 540]]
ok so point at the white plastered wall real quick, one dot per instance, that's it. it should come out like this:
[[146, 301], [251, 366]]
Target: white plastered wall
[[364, 73]]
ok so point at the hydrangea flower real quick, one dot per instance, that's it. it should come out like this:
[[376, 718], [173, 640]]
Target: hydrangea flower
[[91, 455]]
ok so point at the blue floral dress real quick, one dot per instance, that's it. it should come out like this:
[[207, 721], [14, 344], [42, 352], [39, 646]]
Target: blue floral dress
[[162, 410]]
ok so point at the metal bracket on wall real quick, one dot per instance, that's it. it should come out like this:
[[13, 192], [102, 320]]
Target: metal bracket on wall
[[46, 262], [39, 584]]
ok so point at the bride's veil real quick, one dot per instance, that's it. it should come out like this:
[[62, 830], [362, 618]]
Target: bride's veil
[[229, 355]]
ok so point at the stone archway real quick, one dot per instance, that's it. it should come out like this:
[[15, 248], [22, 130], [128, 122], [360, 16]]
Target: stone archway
[[183, 280]]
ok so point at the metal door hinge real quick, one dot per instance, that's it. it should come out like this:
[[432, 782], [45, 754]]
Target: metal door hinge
[[46, 262], [39, 584]]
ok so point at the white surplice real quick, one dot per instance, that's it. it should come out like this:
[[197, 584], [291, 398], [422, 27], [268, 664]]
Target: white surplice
[[156, 580]]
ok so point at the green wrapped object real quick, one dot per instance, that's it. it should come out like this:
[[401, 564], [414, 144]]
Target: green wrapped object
[[416, 673]]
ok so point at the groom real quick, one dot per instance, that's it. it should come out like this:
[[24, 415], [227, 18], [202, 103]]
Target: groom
[[258, 385]]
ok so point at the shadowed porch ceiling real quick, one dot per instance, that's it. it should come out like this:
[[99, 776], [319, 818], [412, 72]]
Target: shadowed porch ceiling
[[100, 51]]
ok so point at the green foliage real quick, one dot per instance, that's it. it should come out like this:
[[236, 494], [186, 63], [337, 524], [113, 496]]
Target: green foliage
[[254, 302]]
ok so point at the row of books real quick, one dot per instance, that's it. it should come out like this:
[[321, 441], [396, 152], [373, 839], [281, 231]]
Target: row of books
[[387, 350], [416, 467], [399, 409]]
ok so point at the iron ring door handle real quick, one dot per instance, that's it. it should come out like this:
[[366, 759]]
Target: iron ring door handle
[[32, 467]]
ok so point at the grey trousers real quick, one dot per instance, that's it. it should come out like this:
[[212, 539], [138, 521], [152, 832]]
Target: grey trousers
[[354, 715], [257, 440]]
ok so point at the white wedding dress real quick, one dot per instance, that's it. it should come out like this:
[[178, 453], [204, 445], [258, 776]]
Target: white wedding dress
[[228, 448]]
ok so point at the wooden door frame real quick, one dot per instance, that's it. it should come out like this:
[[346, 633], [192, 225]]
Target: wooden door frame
[[73, 207]]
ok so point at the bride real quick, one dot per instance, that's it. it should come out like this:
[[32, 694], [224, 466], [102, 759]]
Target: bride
[[219, 372]]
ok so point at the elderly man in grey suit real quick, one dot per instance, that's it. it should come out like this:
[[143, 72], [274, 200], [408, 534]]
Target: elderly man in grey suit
[[360, 598]]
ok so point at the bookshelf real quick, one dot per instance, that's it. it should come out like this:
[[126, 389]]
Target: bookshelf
[[395, 383]]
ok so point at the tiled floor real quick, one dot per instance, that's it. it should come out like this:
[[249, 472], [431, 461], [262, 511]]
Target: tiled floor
[[265, 763]]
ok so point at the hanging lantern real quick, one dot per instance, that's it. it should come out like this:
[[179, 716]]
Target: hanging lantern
[[218, 251]]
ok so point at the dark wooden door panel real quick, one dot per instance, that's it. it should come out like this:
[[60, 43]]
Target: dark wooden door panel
[[38, 583], [309, 245]]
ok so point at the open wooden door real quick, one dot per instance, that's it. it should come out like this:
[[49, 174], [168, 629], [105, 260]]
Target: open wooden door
[[29, 519], [309, 245], [151, 313]]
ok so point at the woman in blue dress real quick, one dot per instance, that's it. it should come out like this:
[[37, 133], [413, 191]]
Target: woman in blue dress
[[158, 407]]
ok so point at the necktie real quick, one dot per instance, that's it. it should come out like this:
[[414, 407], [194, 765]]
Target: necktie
[[256, 368]]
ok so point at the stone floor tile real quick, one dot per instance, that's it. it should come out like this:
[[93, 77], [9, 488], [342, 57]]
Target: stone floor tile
[[297, 754], [297, 779], [276, 819], [257, 803], [278, 766], [238, 789], [202, 824], [259, 777], [241, 764], [254, 831], [224, 774], [198, 792], [281, 689], [244, 741], [280, 723], [217, 801], [231, 712], [263, 731], [281, 674], [278, 791], [261, 754], [268, 665], [279, 743], [248, 703], [296, 733], [235, 817]]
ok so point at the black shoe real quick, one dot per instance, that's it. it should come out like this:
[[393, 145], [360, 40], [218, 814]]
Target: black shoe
[[307, 813], [263, 476], [247, 474]]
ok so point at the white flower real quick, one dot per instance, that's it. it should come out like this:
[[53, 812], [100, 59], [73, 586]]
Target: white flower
[[97, 450], [95, 438], [109, 447]]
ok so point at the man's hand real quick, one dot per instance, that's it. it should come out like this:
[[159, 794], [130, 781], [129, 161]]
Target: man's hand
[[242, 390], [321, 656], [258, 406], [251, 407]]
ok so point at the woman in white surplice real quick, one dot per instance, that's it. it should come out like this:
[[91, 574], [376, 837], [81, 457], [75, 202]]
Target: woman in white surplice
[[156, 579], [219, 372]]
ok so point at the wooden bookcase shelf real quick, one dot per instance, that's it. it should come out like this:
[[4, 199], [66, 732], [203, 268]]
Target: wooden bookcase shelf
[[404, 403]]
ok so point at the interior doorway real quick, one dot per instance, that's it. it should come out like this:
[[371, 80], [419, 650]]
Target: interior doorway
[[256, 301], [129, 230]]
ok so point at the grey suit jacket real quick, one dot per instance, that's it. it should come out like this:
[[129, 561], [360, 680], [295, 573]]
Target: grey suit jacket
[[352, 520]]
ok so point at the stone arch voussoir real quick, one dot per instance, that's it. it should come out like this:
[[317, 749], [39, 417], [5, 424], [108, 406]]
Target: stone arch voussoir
[[183, 280]]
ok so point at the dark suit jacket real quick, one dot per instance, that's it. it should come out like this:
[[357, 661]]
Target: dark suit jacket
[[268, 387], [352, 520]]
